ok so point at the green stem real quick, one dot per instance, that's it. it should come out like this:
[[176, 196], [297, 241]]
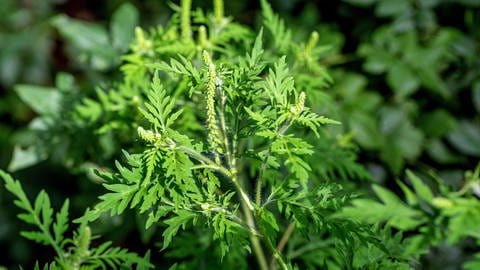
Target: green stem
[[186, 6], [277, 255], [283, 241], [257, 247], [198, 156]]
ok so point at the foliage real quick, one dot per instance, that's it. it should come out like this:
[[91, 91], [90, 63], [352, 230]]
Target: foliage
[[71, 253], [435, 216], [214, 141]]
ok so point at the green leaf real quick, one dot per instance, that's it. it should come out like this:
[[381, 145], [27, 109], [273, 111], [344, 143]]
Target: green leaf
[[466, 138], [476, 95], [182, 218], [409, 195], [393, 211], [85, 36], [437, 123], [43, 100], [38, 237], [281, 35], [268, 223], [402, 79], [403, 141], [362, 3], [61, 223], [420, 188], [24, 158], [365, 130], [91, 41], [122, 26], [387, 8], [472, 264], [433, 81]]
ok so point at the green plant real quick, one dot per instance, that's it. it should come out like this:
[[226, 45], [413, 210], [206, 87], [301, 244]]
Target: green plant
[[245, 179], [71, 253], [215, 140], [436, 216]]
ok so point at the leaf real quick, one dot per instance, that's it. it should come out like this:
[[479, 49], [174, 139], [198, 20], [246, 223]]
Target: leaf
[[402, 79], [279, 85], [420, 188], [437, 123], [365, 130], [91, 40], [476, 95], [472, 264], [313, 121], [403, 141], [15, 188], [174, 224], [433, 81], [256, 116], [280, 34], [159, 107], [38, 237], [24, 158], [391, 8], [268, 223], [257, 50], [393, 211], [122, 26], [466, 138], [362, 3], [114, 256], [43, 100], [61, 223], [82, 34]]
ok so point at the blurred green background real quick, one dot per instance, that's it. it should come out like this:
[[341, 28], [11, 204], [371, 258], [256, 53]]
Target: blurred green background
[[407, 90]]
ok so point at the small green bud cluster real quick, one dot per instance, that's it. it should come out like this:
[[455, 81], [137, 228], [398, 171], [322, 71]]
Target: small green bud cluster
[[142, 46], [149, 136], [312, 41], [299, 106]]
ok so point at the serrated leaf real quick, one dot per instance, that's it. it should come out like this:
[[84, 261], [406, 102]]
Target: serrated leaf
[[420, 187], [38, 237], [61, 223], [182, 218], [268, 222]]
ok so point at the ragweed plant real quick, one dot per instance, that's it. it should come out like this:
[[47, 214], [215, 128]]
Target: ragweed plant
[[71, 253], [227, 155]]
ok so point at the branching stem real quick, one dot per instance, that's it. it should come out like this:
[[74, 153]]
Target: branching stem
[[283, 241]]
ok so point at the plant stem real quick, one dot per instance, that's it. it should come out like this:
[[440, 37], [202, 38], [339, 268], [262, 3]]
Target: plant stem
[[209, 163], [186, 6], [257, 247], [283, 241]]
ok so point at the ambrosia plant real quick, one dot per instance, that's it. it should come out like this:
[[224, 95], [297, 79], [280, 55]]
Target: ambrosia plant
[[226, 156]]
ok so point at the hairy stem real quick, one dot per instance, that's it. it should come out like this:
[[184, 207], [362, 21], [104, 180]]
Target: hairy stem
[[283, 241], [257, 246]]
